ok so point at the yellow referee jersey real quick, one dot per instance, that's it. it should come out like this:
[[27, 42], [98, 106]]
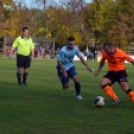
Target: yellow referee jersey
[[24, 46]]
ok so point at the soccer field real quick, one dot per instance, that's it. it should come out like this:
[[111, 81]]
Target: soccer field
[[43, 107]]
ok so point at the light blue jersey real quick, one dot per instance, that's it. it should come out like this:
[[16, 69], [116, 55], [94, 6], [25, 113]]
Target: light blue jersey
[[66, 56]]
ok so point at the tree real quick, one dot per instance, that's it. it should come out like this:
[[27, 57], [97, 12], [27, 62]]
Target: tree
[[66, 20], [122, 31], [5, 13]]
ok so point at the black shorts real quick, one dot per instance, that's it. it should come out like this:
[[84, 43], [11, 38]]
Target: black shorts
[[120, 76], [23, 61]]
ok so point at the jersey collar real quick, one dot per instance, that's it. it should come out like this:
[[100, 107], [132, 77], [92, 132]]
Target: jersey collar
[[23, 37]]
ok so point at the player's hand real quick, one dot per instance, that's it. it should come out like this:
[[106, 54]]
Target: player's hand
[[90, 69], [96, 73], [65, 74], [32, 59]]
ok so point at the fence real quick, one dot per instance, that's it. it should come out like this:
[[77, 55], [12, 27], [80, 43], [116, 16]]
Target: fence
[[38, 42]]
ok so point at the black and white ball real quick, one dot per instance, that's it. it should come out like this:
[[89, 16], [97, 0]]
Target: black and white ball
[[99, 101]]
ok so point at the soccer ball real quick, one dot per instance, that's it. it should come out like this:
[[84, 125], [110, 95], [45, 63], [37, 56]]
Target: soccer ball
[[99, 101]]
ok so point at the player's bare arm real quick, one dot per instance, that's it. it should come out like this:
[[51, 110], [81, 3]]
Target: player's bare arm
[[32, 52], [102, 62], [132, 62], [62, 68], [84, 63], [11, 52]]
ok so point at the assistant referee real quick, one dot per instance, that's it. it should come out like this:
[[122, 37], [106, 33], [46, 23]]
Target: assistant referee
[[25, 54]]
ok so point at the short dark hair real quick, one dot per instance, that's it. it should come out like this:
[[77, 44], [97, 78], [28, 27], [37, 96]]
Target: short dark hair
[[71, 39], [108, 44], [25, 28]]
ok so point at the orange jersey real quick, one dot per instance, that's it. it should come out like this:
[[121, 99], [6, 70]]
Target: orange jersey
[[116, 60]]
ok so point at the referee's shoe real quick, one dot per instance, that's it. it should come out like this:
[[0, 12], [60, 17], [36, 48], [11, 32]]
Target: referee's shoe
[[22, 84]]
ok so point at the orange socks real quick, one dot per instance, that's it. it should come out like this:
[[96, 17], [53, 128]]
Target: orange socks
[[131, 95], [110, 92]]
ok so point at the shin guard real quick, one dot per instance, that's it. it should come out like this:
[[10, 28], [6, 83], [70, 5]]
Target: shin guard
[[110, 92]]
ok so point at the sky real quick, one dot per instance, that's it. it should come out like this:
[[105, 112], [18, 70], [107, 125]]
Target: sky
[[28, 2]]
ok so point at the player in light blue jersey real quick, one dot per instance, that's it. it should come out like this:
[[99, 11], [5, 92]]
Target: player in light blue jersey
[[66, 68]]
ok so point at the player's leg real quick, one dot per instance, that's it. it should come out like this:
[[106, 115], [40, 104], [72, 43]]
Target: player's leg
[[125, 87], [25, 75], [73, 74], [77, 87], [65, 85], [38, 54], [122, 79], [26, 66], [63, 80], [19, 75], [19, 63], [42, 54], [106, 83]]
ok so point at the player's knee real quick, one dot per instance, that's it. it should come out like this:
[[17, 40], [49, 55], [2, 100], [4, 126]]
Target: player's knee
[[26, 70], [104, 82], [19, 70], [105, 85]]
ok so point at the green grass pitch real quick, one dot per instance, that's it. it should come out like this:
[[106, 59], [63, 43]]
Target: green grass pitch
[[42, 107]]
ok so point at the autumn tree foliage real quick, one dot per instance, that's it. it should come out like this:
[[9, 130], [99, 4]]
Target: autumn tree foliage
[[76, 18], [115, 22]]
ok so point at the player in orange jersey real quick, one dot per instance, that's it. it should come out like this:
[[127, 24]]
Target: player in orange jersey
[[116, 71]]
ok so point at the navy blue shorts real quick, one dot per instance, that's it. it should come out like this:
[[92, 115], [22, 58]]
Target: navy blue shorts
[[71, 72], [120, 76]]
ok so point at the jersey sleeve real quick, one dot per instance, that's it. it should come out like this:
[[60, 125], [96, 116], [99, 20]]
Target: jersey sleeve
[[104, 57], [78, 53], [61, 56], [128, 58], [15, 43], [32, 45]]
